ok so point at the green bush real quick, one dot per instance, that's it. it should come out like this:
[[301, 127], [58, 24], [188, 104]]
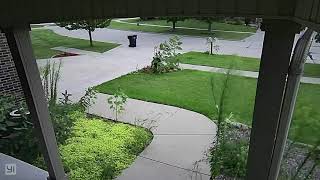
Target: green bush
[[165, 56], [16, 134], [231, 160], [101, 149]]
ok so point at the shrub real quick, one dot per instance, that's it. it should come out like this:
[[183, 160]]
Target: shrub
[[16, 134], [50, 76], [165, 56], [231, 159]]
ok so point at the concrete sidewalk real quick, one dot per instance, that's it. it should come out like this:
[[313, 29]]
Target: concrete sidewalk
[[251, 74], [181, 140]]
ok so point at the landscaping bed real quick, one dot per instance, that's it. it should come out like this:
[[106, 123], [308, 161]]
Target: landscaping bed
[[236, 62], [90, 147], [43, 40], [101, 149], [234, 157], [192, 90]]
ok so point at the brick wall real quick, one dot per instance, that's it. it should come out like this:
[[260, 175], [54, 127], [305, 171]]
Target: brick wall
[[9, 80]]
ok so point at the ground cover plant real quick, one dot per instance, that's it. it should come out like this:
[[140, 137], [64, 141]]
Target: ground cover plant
[[43, 40], [238, 62], [101, 149]]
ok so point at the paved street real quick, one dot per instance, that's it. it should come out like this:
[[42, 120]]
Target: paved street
[[80, 72]]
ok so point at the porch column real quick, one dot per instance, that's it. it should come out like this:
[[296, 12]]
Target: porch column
[[18, 39], [275, 59]]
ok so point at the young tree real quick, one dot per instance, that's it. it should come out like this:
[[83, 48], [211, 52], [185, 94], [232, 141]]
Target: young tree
[[88, 25], [174, 20]]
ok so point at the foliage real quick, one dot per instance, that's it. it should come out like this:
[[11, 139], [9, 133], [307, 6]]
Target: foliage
[[66, 98], [189, 23], [235, 21], [89, 25], [16, 133], [63, 117], [165, 56], [101, 149], [117, 102], [89, 98], [174, 20], [212, 45], [50, 75], [317, 38], [227, 156], [230, 159], [209, 21]]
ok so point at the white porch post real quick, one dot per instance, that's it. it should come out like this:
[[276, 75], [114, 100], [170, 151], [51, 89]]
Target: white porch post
[[21, 49], [295, 73], [275, 59]]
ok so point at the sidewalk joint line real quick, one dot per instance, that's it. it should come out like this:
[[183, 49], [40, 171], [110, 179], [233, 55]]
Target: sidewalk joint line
[[174, 166]]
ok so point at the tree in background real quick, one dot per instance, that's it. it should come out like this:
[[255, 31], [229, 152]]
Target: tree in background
[[174, 20], [317, 38], [208, 20], [88, 25]]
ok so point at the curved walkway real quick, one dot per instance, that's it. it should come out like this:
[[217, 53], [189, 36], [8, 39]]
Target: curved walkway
[[181, 140]]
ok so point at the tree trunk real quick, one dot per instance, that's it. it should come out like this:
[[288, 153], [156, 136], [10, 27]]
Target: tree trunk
[[90, 36], [173, 25], [210, 27]]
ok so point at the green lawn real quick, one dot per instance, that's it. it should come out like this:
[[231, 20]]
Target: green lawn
[[236, 62], [100, 149], [192, 90], [193, 23], [167, 30], [44, 40], [36, 25]]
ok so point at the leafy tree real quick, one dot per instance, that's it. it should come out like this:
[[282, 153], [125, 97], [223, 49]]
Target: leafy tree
[[209, 20], [247, 21], [318, 38], [174, 21], [88, 25]]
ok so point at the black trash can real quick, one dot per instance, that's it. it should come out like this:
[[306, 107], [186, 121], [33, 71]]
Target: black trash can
[[132, 40]]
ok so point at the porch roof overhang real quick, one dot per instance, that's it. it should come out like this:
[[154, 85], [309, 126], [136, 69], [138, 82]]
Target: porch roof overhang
[[15, 12]]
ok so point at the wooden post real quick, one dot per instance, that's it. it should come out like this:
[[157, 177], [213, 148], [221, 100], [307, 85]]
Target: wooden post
[[275, 59], [21, 49]]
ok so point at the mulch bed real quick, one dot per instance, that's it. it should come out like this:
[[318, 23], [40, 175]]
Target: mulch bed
[[65, 54]]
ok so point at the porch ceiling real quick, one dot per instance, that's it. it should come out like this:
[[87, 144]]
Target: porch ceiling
[[13, 12]]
